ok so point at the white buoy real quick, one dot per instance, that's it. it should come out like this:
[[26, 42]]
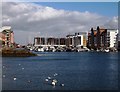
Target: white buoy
[[14, 78], [19, 64], [3, 76], [53, 83], [29, 81], [49, 77], [23, 68], [55, 74], [46, 79], [62, 85]]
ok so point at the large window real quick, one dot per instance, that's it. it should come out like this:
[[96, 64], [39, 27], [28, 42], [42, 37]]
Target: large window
[[95, 41], [37, 41], [79, 38], [62, 41], [7, 38], [42, 41], [70, 41], [7, 43]]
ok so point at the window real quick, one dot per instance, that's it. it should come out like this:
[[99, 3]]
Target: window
[[7, 38], [7, 43], [79, 40]]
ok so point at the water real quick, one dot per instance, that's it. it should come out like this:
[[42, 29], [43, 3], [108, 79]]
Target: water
[[78, 71]]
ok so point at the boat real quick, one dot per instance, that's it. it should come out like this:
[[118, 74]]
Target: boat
[[40, 50]]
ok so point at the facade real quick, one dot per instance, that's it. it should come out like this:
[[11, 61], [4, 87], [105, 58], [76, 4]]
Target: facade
[[51, 41], [102, 38], [41, 41], [70, 40], [77, 40], [37, 41], [112, 35], [80, 39], [57, 41], [2, 40], [118, 46], [62, 41], [7, 36]]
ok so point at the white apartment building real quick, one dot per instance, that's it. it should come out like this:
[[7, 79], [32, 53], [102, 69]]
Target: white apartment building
[[112, 36], [77, 40]]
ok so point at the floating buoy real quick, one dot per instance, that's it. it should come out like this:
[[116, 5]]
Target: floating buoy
[[29, 81], [62, 85], [46, 79], [14, 78], [19, 64], [55, 74], [23, 68], [3, 76], [49, 77]]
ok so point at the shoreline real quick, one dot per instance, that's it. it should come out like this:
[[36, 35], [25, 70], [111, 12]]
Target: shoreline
[[16, 53], [13, 52]]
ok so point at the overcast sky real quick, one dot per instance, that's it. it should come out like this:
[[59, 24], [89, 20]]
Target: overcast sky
[[56, 19]]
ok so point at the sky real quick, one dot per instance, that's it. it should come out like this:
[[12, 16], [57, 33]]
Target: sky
[[104, 8], [57, 19], [61, 0]]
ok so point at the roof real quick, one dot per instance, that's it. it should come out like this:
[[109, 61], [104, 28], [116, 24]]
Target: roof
[[5, 28], [95, 32], [102, 30], [70, 35], [112, 30]]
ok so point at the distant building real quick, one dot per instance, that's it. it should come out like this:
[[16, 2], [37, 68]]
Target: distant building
[[77, 40], [51, 41], [2, 39], [41, 41], [80, 39], [102, 38], [62, 41], [56, 41], [37, 41], [70, 40], [112, 37], [7, 36]]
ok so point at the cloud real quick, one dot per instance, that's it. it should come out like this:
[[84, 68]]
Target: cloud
[[60, 1], [46, 21]]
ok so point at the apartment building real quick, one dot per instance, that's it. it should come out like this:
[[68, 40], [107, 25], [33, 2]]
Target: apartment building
[[112, 37], [41, 41], [7, 36], [101, 38], [77, 40]]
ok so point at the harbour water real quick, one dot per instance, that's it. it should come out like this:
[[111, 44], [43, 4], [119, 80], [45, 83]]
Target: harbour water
[[77, 70]]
